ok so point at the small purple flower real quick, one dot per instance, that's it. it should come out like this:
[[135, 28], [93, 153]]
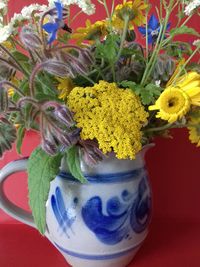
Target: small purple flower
[[153, 29], [52, 28]]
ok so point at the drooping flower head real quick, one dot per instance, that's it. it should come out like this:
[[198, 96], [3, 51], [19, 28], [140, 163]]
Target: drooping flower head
[[112, 116], [176, 99], [153, 29], [91, 31], [134, 10]]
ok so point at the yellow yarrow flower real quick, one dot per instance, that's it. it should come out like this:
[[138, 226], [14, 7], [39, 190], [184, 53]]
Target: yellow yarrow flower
[[194, 131], [133, 9], [176, 100], [112, 116], [65, 86], [91, 31]]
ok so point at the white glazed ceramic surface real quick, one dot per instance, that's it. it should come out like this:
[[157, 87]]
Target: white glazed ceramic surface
[[98, 224], [104, 222]]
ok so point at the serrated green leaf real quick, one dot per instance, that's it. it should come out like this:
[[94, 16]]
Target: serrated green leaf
[[183, 30], [147, 94], [42, 169], [73, 162], [20, 136]]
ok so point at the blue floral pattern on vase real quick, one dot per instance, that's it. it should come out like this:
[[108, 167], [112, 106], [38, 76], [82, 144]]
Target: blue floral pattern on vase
[[64, 216], [140, 211], [124, 212]]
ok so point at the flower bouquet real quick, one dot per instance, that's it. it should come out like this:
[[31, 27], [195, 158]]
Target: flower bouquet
[[101, 91]]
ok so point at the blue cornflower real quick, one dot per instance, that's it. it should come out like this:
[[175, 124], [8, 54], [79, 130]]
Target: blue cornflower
[[52, 28], [153, 29]]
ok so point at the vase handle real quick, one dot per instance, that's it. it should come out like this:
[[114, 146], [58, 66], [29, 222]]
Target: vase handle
[[5, 204]]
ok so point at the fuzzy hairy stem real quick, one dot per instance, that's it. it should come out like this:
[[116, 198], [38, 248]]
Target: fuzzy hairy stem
[[17, 64], [3, 83]]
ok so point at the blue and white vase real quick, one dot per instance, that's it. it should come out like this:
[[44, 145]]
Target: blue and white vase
[[101, 223]]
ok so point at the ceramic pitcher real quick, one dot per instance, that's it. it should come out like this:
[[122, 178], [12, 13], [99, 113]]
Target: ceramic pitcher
[[101, 223]]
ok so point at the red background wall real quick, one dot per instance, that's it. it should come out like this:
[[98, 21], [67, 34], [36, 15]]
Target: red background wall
[[173, 164]]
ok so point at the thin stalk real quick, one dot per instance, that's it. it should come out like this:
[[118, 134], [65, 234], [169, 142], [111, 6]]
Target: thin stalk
[[29, 100], [147, 43], [87, 78], [177, 26], [2, 83], [157, 48], [75, 16], [123, 37], [161, 128], [185, 64], [12, 65], [112, 8], [152, 57], [14, 59]]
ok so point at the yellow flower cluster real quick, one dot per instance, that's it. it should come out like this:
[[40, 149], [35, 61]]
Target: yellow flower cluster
[[112, 116]]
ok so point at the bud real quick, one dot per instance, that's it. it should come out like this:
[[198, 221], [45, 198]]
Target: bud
[[85, 57], [30, 39], [64, 115], [49, 147], [64, 139], [91, 153], [57, 68]]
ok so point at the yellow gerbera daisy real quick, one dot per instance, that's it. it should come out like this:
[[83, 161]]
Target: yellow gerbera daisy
[[194, 131], [175, 102], [91, 31], [133, 9], [65, 86]]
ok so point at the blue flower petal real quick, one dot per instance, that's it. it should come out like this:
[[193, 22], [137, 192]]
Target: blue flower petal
[[142, 30], [150, 39], [153, 23], [52, 37], [50, 27], [59, 8]]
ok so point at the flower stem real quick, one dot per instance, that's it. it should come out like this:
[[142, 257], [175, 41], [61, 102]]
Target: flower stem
[[158, 46], [2, 83], [158, 129], [147, 36], [185, 64], [123, 37], [19, 66]]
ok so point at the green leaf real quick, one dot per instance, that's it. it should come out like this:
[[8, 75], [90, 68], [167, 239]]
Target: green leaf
[[20, 136], [147, 94], [42, 169], [7, 135], [23, 60], [183, 30], [73, 162], [109, 49]]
